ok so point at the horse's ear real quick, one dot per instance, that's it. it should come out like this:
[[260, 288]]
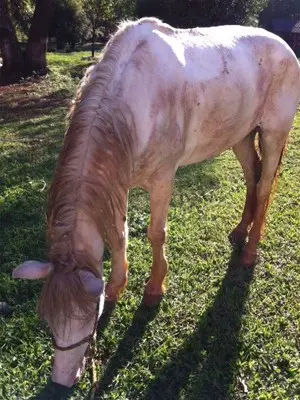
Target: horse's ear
[[32, 270]]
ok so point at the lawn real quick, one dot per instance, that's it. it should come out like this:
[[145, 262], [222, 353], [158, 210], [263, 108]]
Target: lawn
[[221, 331]]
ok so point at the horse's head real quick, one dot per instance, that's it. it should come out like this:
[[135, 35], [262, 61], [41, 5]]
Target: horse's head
[[72, 326]]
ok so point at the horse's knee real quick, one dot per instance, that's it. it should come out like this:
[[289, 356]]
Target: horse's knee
[[157, 237], [263, 191]]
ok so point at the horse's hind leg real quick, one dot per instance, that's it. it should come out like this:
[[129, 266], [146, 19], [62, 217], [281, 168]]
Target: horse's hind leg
[[272, 147], [160, 196], [247, 155]]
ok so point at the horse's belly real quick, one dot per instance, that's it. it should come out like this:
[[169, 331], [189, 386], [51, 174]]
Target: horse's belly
[[228, 110], [208, 141], [208, 149]]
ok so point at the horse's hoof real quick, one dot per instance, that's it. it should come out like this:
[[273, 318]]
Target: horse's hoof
[[113, 293], [248, 259], [237, 238], [152, 299]]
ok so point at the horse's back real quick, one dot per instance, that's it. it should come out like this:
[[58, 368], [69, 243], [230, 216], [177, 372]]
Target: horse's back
[[194, 93], [199, 54]]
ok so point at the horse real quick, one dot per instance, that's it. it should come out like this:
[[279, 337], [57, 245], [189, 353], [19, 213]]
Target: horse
[[160, 98]]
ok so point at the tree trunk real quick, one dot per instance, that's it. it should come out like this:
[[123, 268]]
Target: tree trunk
[[13, 63], [93, 41], [35, 56]]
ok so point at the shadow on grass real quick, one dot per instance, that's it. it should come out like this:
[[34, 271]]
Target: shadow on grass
[[27, 106], [27, 164], [205, 366], [200, 177], [53, 391], [126, 348]]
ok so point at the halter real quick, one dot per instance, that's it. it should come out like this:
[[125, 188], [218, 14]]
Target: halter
[[87, 339]]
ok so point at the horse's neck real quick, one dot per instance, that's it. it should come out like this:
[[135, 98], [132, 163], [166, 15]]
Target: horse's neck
[[87, 238]]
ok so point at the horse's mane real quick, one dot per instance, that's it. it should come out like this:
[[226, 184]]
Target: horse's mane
[[93, 174]]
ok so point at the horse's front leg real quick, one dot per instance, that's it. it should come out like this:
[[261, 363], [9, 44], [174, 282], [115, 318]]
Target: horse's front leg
[[119, 270], [160, 196]]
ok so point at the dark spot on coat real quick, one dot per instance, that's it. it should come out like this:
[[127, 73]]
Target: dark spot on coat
[[225, 65]]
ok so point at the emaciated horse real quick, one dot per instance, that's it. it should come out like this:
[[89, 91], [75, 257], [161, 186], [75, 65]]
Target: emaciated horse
[[160, 98]]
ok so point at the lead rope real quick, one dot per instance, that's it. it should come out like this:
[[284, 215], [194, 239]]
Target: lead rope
[[93, 352]]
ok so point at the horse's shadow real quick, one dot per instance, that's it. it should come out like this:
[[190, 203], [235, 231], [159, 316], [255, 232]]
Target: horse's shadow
[[205, 367], [54, 391], [127, 346]]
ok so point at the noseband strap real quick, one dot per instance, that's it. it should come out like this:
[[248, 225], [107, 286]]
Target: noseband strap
[[72, 346], [87, 339]]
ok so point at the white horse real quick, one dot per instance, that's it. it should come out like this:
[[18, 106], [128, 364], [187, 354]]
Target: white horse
[[160, 98]]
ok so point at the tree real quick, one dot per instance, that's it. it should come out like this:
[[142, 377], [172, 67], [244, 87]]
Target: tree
[[69, 24], [35, 55], [280, 9], [125, 9], [17, 63], [100, 15], [191, 13], [22, 12], [12, 56]]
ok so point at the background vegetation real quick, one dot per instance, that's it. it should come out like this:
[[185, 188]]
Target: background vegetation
[[27, 25]]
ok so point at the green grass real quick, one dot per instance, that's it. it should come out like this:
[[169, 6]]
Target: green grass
[[221, 332]]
